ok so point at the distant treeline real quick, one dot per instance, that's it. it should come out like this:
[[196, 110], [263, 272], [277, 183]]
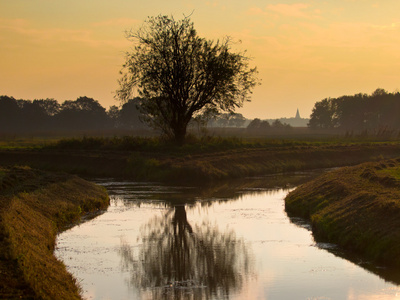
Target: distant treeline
[[48, 115], [238, 120], [378, 113], [87, 115], [258, 125]]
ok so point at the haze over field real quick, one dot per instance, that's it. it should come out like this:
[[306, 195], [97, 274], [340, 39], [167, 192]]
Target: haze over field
[[305, 50]]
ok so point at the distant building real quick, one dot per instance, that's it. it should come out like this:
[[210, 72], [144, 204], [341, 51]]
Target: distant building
[[297, 121], [297, 115]]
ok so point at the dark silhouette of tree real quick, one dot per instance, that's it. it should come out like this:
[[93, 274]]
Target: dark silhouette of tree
[[362, 113], [113, 115], [33, 116], [349, 112], [227, 120], [258, 125], [264, 125], [254, 124], [10, 114], [82, 114], [181, 75], [130, 116], [322, 115], [49, 105], [277, 124]]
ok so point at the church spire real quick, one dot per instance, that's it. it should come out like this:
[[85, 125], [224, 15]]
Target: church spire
[[297, 114]]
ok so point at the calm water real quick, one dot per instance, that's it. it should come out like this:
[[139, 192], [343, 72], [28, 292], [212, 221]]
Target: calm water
[[232, 241]]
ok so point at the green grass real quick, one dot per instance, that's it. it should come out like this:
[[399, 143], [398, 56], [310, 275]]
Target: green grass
[[392, 172], [201, 159], [26, 143], [194, 143], [355, 207]]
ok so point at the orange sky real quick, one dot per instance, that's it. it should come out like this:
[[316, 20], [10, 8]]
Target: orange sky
[[305, 50]]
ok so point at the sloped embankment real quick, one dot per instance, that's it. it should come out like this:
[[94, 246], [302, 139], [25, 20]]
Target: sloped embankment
[[357, 208], [34, 207], [199, 167]]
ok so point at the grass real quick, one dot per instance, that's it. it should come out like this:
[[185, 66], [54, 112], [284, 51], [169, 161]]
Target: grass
[[35, 206], [202, 159], [393, 172], [196, 145], [357, 208]]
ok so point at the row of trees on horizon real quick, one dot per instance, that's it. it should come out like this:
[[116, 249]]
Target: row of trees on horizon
[[359, 113], [87, 114], [82, 114]]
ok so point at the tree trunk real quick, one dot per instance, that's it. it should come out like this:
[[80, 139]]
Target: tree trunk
[[180, 134]]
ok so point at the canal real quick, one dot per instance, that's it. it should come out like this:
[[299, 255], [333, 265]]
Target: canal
[[225, 241]]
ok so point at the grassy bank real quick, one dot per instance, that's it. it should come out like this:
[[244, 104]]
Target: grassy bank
[[35, 206], [201, 160], [195, 166], [356, 207]]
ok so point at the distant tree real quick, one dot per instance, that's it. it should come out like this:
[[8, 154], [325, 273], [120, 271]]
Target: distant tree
[[221, 120], [33, 116], [379, 92], [181, 75], [130, 116], [236, 120], [228, 120], [322, 115], [359, 113], [385, 109], [254, 124], [264, 125], [349, 112], [82, 114], [50, 106], [10, 114], [277, 124], [113, 115]]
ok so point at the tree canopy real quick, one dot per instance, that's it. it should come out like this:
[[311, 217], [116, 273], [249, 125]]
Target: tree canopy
[[180, 75], [358, 113], [81, 115]]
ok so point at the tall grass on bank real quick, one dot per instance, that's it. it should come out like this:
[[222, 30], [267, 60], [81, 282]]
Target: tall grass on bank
[[199, 160], [35, 206], [357, 208], [198, 144]]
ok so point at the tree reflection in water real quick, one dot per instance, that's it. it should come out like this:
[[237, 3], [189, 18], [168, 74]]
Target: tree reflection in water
[[176, 261]]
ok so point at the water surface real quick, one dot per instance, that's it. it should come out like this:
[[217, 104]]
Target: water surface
[[229, 241]]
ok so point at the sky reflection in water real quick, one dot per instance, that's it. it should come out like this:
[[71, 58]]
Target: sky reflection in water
[[220, 242]]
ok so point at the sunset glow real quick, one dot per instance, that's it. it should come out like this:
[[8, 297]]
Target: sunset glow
[[304, 50]]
